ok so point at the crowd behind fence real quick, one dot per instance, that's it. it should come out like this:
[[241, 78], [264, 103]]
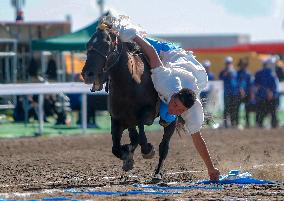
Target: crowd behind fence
[[258, 92]]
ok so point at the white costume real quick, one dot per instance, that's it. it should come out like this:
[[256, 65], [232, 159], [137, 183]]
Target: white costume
[[181, 70]]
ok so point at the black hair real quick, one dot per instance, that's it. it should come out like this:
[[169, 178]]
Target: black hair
[[187, 97]]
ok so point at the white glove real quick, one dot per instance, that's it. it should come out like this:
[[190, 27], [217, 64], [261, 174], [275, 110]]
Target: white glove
[[127, 34], [125, 28]]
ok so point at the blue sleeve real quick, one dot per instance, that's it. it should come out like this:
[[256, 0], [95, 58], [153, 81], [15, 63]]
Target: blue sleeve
[[272, 84], [257, 78], [212, 76], [249, 81], [162, 46], [164, 113], [221, 75]]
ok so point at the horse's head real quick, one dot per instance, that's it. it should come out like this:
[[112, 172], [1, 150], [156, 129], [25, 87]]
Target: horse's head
[[102, 55]]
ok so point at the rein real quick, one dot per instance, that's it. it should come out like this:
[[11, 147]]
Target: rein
[[107, 67]]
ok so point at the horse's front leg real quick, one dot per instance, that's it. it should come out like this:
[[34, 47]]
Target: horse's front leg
[[124, 152], [147, 149], [163, 150], [116, 133]]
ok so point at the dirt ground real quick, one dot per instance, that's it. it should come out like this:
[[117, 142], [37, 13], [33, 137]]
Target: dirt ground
[[31, 166]]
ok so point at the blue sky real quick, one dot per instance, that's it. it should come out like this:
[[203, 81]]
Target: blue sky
[[261, 19], [253, 8]]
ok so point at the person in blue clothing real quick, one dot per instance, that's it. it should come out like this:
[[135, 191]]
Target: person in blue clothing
[[207, 64], [231, 92], [266, 85], [244, 82]]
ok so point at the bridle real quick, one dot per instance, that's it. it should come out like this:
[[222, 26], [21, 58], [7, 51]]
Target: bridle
[[107, 67]]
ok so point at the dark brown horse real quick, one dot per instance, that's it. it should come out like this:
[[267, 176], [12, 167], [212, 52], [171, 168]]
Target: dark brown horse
[[132, 97]]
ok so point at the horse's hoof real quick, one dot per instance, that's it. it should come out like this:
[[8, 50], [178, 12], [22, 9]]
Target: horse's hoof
[[128, 165], [128, 162], [150, 152], [157, 178]]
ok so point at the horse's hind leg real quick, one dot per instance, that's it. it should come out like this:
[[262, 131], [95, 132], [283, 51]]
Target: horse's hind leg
[[163, 150], [147, 149], [134, 137]]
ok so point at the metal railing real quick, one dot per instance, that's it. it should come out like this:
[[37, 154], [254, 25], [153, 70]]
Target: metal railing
[[51, 88]]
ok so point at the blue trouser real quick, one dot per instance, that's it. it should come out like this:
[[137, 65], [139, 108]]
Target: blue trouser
[[164, 114], [162, 46]]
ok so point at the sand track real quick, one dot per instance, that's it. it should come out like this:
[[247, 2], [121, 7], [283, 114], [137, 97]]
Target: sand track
[[34, 164]]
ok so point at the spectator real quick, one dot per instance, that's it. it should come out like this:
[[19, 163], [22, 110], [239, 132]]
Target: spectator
[[267, 93], [33, 108], [231, 92], [244, 84], [19, 112], [51, 72], [75, 104], [91, 111], [207, 64], [92, 104], [279, 71], [33, 67], [204, 95], [49, 105]]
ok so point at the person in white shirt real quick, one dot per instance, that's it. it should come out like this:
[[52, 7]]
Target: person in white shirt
[[178, 84]]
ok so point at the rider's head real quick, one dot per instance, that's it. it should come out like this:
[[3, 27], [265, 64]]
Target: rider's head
[[181, 101]]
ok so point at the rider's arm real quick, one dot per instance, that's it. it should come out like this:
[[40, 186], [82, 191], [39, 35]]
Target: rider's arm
[[201, 147], [149, 50]]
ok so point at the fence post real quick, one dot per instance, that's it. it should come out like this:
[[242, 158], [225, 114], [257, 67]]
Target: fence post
[[84, 112], [40, 113]]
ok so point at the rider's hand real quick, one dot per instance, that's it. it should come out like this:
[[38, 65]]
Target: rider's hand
[[214, 174], [126, 33]]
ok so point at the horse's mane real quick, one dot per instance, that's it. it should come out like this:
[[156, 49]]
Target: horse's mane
[[136, 61]]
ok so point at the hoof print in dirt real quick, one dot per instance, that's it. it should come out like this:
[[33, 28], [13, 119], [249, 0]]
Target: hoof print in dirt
[[148, 152]]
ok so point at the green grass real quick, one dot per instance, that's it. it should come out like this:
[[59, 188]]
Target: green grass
[[218, 118], [8, 129]]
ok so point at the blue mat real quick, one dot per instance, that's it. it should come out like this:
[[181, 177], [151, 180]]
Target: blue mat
[[235, 177], [157, 187], [124, 192]]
